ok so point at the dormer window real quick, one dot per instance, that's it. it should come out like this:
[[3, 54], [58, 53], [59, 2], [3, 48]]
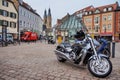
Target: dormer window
[[90, 12], [97, 11], [105, 9], [86, 13], [110, 9]]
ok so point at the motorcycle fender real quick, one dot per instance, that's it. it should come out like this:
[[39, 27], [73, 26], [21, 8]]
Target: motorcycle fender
[[99, 55]]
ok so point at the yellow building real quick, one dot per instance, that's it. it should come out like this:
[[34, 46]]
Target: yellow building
[[8, 17]]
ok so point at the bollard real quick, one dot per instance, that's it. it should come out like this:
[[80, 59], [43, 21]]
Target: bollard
[[113, 49]]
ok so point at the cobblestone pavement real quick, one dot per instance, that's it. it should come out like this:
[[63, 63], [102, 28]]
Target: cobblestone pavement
[[37, 61]]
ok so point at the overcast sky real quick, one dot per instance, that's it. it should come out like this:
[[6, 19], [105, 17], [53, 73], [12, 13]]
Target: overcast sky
[[59, 8]]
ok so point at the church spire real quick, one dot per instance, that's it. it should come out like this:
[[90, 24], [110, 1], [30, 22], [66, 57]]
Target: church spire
[[45, 17], [49, 12], [45, 14]]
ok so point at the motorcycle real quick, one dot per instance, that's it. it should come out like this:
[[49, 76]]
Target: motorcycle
[[104, 47], [85, 53]]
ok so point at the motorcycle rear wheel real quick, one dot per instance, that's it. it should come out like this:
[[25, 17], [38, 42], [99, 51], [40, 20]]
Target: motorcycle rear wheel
[[106, 52], [101, 70]]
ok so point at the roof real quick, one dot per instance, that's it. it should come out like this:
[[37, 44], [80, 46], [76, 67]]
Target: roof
[[13, 5], [84, 9], [114, 6], [28, 7], [72, 22]]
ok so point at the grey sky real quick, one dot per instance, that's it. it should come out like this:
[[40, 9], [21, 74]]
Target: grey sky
[[59, 8]]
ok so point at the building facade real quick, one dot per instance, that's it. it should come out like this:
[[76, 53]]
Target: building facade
[[102, 21], [29, 19], [117, 32], [9, 17]]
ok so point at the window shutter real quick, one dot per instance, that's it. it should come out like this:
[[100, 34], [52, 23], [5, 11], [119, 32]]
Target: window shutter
[[0, 22], [7, 4], [7, 23], [2, 2], [7, 13], [10, 14], [15, 15], [0, 12], [14, 25], [10, 24]]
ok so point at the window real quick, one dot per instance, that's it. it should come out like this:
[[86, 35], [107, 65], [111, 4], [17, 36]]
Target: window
[[12, 24], [4, 13], [109, 26], [24, 23], [12, 15], [24, 13], [4, 3], [96, 28], [104, 18], [109, 17], [97, 11], [88, 20], [20, 22], [105, 9], [104, 28], [110, 9], [86, 13], [21, 12], [96, 20], [90, 12], [5, 23]]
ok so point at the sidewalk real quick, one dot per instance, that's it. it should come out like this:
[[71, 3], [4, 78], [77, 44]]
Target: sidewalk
[[37, 61]]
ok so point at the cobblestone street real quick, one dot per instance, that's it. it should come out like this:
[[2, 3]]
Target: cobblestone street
[[37, 61]]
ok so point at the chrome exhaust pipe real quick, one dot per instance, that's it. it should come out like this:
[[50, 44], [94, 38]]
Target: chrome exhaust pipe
[[64, 55]]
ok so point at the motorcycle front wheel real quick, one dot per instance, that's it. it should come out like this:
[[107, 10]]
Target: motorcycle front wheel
[[101, 69]]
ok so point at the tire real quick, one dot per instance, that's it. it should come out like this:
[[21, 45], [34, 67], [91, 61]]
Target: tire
[[106, 52], [61, 59], [94, 70]]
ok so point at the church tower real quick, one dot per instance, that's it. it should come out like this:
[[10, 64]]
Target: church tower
[[49, 19], [45, 18]]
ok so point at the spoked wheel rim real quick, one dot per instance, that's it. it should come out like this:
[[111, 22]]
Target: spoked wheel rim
[[100, 68]]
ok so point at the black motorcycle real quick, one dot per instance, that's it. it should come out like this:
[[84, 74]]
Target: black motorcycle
[[84, 52]]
